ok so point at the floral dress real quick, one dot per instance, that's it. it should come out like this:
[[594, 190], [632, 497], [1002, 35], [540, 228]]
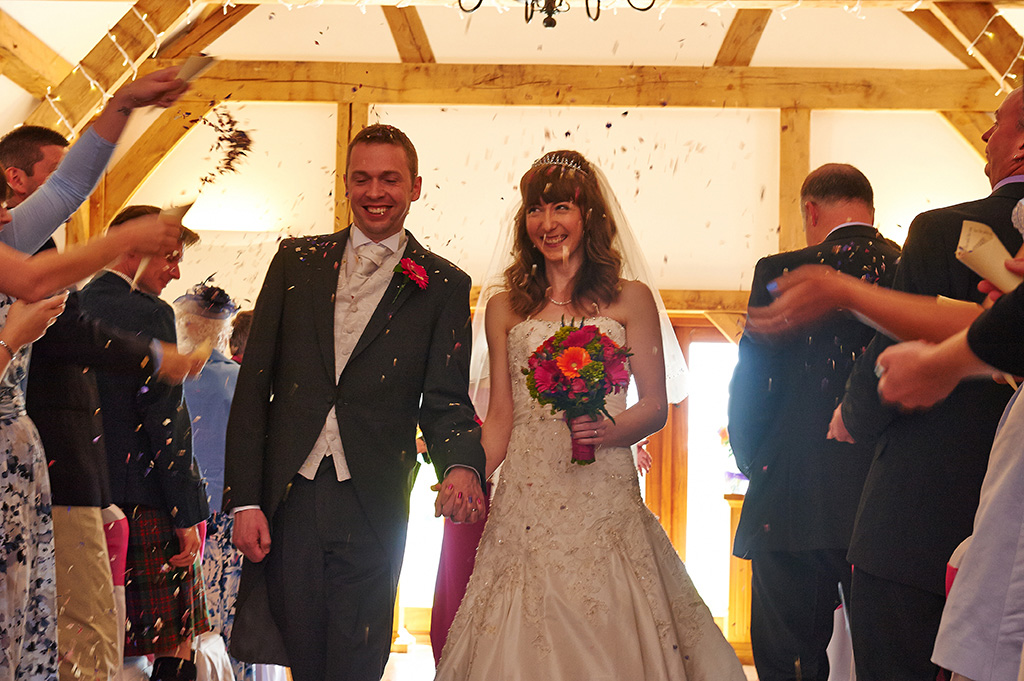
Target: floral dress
[[28, 621]]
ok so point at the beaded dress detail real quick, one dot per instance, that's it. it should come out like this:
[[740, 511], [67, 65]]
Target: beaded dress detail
[[575, 580]]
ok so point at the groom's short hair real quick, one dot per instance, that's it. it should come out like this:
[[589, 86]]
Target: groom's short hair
[[386, 134]]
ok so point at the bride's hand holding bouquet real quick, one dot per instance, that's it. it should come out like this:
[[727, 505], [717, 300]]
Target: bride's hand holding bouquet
[[574, 371]]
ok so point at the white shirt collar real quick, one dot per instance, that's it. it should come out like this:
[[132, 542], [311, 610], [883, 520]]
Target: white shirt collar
[[393, 242], [847, 224]]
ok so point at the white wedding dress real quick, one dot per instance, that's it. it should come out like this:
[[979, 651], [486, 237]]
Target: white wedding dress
[[575, 580]]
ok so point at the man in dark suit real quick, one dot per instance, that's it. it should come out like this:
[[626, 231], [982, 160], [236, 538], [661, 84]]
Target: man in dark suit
[[153, 475], [922, 489], [356, 337], [799, 508]]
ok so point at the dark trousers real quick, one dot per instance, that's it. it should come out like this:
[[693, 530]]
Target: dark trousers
[[331, 583], [793, 600], [893, 627]]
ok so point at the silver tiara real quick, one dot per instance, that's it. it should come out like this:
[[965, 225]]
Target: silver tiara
[[558, 160]]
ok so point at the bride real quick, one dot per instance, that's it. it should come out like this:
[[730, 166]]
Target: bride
[[574, 577]]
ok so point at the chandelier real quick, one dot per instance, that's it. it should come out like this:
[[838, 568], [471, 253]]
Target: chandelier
[[549, 8]]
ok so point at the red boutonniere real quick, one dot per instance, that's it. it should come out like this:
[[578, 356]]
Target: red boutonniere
[[413, 272]]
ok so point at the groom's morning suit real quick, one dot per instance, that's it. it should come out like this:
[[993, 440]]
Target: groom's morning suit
[[799, 509], [407, 365], [923, 486]]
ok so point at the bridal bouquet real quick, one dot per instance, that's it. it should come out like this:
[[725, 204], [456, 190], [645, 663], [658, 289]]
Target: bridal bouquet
[[574, 371]]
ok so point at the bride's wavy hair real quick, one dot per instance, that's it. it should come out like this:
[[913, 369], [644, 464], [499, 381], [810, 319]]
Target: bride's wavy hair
[[556, 177]]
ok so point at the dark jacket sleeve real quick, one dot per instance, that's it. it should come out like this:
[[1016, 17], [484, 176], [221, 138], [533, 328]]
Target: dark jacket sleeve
[[79, 338], [997, 336], [751, 409], [864, 414], [446, 413], [245, 446]]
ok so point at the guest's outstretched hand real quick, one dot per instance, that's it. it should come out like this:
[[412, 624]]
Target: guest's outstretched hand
[[911, 375], [160, 88], [175, 367], [460, 496], [152, 234], [251, 534], [802, 297], [26, 322]]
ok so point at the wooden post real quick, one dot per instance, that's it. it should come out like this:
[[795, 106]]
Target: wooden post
[[737, 629], [351, 119], [794, 164]]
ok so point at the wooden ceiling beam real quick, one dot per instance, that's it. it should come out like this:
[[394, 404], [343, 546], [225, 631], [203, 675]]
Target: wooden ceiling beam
[[75, 97], [212, 23], [615, 4], [28, 61], [409, 34], [741, 39], [989, 38], [548, 85], [971, 125], [162, 136], [928, 22]]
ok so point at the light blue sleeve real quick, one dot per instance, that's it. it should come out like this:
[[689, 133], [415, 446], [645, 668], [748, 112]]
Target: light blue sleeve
[[39, 216]]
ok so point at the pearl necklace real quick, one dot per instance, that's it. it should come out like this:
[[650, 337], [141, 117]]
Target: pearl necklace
[[560, 303]]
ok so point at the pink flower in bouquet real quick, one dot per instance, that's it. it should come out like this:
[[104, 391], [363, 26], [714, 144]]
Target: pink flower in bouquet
[[581, 336], [616, 372], [546, 375], [577, 386]]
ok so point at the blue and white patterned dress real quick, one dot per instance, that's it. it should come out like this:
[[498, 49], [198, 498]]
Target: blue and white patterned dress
[[28, 618]]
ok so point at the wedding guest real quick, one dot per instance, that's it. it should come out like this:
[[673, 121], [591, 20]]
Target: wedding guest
[[799, 508], [203, 317], [902, 541], [63, 402], [27, 602], [153, 474], [980, 636], [240, 334], [574, 577]]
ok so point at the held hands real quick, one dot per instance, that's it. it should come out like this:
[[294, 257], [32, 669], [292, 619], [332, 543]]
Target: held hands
[[175, 367], [27, 322], [802, 296], [251, 534], [459, 496], [188, 540]]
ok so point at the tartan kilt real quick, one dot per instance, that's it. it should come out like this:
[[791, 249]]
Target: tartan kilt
[[160, 599]]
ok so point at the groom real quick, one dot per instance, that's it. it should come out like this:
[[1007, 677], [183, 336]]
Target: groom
[[356, 337]]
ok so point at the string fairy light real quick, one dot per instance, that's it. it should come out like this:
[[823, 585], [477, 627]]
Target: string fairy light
[[93, 83], [1009, 70], [127, 60], [783, 10], [984, 32], [156, 36], [52, 101]]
